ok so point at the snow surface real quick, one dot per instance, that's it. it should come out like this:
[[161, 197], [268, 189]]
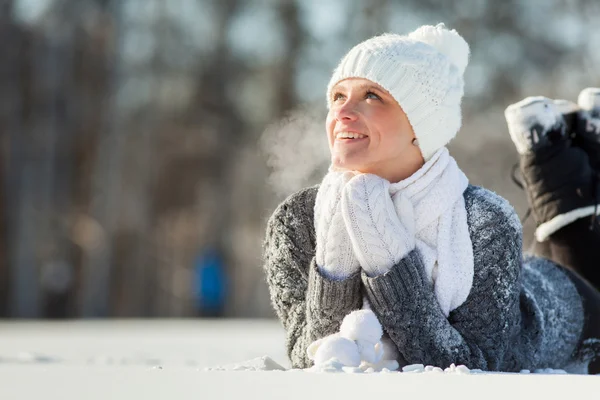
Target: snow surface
[[226, 359]]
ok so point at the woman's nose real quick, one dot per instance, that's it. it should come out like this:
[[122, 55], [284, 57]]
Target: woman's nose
[[346, 111]]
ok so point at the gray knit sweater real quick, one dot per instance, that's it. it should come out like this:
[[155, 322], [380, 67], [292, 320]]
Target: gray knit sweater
[[520, 314]]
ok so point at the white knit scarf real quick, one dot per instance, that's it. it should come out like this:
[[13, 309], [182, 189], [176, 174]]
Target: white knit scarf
[[442, 234]]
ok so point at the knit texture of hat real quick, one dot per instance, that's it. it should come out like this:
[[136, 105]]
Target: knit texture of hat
[[423, 71]]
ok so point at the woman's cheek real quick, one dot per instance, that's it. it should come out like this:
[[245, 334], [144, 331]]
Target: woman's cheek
[[330, 138]]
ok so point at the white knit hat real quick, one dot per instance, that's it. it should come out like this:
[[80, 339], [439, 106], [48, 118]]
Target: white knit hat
[[423, 71]]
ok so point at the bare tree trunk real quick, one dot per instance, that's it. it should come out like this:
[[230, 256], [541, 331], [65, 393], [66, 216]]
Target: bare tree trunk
[[228, 123], [19, 178], [97, 263], [286, 100], [57, 273], [136, 260], [145, 253], [293, 36], [8, 120]]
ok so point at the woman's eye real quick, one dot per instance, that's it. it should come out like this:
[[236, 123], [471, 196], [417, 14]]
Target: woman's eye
[[371, 95], [337, 96]]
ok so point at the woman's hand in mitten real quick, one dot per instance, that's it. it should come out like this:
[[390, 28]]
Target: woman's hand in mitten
[[379, 238], [334, 255]]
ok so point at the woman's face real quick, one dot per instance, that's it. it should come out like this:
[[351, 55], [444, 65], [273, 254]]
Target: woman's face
[[368, 131]]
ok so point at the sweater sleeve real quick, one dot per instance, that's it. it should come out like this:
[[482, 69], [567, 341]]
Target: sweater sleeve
[[309, 305], [476, 334]]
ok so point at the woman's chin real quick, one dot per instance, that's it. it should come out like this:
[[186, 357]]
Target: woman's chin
[[347, 165]]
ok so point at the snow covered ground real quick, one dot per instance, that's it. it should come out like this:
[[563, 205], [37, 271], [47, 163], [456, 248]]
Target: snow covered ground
[[152, 359]]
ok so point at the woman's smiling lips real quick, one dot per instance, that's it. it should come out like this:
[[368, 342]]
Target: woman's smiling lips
[[350, 137]]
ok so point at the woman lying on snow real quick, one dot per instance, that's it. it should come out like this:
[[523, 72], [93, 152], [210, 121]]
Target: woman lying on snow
[[396, 227]]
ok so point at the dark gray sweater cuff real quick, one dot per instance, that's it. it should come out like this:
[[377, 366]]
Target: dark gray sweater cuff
[[333, 295], [404, 280]]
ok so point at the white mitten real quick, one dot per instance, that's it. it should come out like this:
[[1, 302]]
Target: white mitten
[[379, 239], [334, 346], [334, 255]]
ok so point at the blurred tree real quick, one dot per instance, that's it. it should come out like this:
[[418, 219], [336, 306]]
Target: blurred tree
[[130, 131], [15, 45], [293, 39], [105, 191], [6, 26]]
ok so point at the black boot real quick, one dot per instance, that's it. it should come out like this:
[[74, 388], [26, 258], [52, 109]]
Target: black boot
[[560, 184], [558, 177]]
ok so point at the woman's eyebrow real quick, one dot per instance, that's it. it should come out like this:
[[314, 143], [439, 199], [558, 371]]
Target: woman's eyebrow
[[363, 86], [370, 87]]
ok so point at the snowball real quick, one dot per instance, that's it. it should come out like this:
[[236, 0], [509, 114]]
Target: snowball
[[341, 348], [361, 324], [368, 351]]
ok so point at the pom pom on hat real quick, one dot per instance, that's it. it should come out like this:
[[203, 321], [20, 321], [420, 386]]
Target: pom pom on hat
[[423, 71], [447, 42]]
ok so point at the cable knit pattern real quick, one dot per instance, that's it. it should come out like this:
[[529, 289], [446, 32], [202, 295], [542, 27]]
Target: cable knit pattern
[[513, 318], [378, 237], [335, 257]]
